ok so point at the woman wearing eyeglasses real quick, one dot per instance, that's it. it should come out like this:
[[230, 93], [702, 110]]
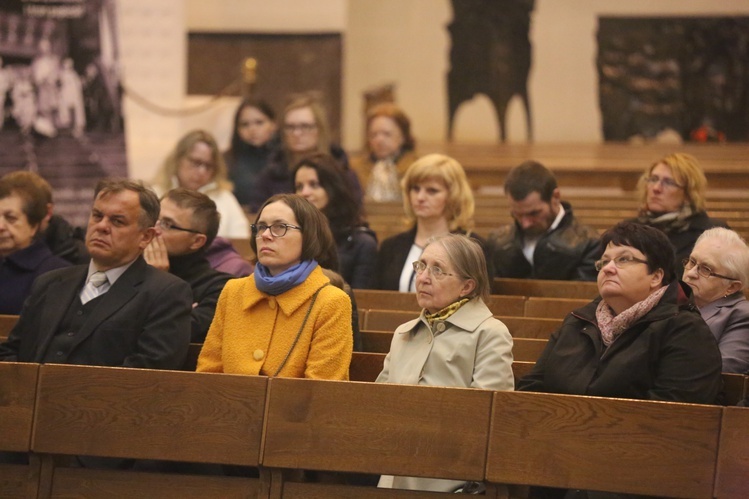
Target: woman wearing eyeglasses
[[286, 319], [672, 196], [304, 131], [455, 341], [718, 272], [643, 338], [196, 163]]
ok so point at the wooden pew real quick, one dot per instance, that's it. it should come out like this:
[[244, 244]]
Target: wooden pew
[[732, 474], [6, 324], [552, 308], [367, 366], [520, 327], [335, 426], [17, 397], [395, 300], [544, 288], [523, 349], [147, 414], [734, 387], [616, 445]]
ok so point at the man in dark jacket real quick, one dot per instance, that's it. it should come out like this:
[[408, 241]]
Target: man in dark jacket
[[546, 241], [187, 226]]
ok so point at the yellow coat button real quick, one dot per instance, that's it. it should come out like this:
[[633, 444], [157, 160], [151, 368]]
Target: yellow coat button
[[272, 303], [258, 354]]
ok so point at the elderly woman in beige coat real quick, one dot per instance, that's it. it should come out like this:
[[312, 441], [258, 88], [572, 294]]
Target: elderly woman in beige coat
[[455, 341]]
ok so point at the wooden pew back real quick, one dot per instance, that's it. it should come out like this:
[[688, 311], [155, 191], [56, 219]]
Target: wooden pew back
[[544, 288], [148, 414], [732, 474], [174, 413], [395, 300], [376, 428], [591, 443], [6, 324], [17, 399]]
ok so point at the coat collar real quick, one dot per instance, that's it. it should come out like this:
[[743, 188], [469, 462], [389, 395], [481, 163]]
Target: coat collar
[[292, 299], [714, 307], [30, 257], [467, 318]]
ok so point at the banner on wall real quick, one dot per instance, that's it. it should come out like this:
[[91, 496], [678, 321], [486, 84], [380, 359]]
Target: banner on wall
[[60, 97]]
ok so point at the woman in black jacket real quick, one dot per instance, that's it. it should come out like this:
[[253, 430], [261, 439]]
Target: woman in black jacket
[[643, 338], [320, 180]]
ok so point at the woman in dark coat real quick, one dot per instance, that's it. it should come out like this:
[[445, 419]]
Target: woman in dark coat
[[643, 338], [320, 180], [672, 199]]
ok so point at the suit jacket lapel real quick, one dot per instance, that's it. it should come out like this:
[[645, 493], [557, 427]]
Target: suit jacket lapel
[[113, 300], [58, 299]]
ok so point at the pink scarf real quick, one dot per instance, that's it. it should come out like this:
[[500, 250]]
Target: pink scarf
[[612, 326]]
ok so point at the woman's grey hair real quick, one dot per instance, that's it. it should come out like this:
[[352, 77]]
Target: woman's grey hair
[[735, 260], [467, 257]]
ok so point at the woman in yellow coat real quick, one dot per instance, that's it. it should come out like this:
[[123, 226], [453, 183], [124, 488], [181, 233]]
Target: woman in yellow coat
[[286, 319]]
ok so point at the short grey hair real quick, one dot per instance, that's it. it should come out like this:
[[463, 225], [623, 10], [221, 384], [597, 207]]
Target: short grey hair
[[735, 261]]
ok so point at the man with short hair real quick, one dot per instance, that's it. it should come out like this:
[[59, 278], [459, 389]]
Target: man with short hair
[[115, 311], [187, 226], [546, 241]]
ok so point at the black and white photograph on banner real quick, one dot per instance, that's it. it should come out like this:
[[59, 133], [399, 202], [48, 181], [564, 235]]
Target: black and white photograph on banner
[[60, 97]]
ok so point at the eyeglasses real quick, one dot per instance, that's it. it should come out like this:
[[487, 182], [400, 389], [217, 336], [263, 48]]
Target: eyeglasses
[[434, 271], [667, 183], [196, 163], [167, 224], [620, 262], [299, 127], [276, 230], [703, 270]]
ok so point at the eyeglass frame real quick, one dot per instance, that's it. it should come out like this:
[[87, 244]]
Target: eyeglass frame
[[666, 182], [259, 229], [419, 268], [620, 262], [301, 127], [688, 265], [169, 225], [197, 164]]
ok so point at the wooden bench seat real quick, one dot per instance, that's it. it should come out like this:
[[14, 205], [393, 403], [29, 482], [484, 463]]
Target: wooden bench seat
[[395, 300], [544, 288]]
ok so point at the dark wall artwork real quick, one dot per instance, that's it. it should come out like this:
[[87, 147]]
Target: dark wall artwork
[[286, 64], [490, 55], [687, 74]]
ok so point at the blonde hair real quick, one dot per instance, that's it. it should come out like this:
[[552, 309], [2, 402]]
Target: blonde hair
[[169, 167], [459, 206], [687, 172], [300, 101]]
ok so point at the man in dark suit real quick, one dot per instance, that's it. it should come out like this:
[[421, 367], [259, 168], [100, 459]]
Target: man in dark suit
[[188, 224], [115, 311]]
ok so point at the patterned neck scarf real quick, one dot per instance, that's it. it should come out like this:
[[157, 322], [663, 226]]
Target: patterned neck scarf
[[446, 312], [612, 326], [670, 222]]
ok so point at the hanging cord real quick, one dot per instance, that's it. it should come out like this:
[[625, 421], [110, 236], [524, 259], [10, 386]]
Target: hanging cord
[[165, 111], [301, 328]]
